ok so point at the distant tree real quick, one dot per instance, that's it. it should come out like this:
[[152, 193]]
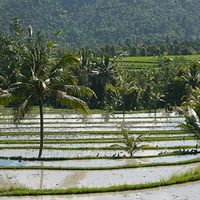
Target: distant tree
[[151, 50], [167, 39], [171, 49], [177, 49], [143, 51], [107, 49], [103, 72], [123, 86], [163, 48], [134, 51], [113, 51], [125, 48]]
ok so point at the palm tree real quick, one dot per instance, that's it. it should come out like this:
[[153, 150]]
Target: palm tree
[[193, 78], [123, 87], [130, 144], [192, 121], [40, 77], [155, 97], [103, 72]]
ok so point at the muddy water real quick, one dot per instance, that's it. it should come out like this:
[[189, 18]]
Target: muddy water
[[44, 179], [187, 191]]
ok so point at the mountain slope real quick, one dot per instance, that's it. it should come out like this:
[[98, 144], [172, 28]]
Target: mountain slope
[[84, 24]]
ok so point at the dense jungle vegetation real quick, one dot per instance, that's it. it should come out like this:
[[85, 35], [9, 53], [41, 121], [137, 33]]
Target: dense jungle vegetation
[[165, 85], [97, 37], [93, 24]]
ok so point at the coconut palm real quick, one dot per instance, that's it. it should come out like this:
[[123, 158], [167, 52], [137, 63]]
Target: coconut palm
[[155, 97], [192, 121], [104, 71], [41, 77], [123, 87], [130, 144], [193, 78]]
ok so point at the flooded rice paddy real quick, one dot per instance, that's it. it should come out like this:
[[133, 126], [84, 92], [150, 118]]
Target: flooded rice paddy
[[82, 179], [188, 191], [76, 126]]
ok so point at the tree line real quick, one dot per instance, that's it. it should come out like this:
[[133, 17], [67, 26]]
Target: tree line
[[160, 47], [116, 87]]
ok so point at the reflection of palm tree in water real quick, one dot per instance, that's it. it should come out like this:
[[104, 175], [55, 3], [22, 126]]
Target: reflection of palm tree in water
[[41, 176], [73, 179], [7, 182]]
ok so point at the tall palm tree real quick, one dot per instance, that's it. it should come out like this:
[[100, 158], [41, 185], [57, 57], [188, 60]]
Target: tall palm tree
[[123, 87], [156, 97], [41, 76], [103, 72]]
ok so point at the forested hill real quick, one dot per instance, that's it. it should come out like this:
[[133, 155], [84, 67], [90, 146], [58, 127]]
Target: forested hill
[[85, 25]]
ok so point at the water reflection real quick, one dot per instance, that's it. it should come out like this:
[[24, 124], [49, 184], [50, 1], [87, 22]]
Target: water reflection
[[99, 162], [183, 191], [95, 122], [51, 179]]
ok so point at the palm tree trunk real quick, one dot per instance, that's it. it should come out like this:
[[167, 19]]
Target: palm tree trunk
[[41, 128], [123, 105]]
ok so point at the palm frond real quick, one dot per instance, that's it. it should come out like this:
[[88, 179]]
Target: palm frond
[[68, 58], [5, 97], [22, 110], [80, 90], [111, 87], [72, 101], [58, 32], [192, 122]]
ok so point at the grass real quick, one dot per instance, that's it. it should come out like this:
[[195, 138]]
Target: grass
[[188, 176], [128, 166], [94, 140], [178, 153], [147, 61], [54, 110], [109, 148]]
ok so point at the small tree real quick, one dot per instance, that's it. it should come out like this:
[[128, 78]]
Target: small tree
[[130, 144]]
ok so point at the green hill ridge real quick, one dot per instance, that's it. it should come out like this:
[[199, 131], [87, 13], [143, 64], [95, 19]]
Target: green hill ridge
[[92, 23]]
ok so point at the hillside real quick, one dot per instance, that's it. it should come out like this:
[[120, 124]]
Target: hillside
[[85, 25]]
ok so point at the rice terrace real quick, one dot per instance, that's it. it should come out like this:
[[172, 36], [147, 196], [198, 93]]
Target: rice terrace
[[82, 161], [99, 100]]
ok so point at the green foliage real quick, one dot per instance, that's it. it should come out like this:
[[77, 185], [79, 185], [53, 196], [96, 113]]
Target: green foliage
[[192, 122], [89, 24], [130, 144], [40, 77]]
